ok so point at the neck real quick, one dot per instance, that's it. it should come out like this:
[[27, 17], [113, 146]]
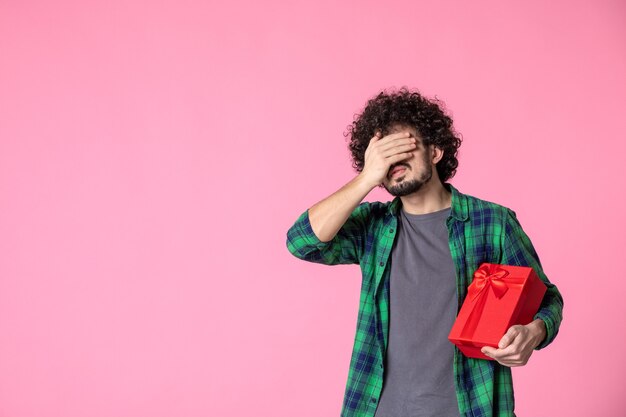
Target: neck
[[432, 196]]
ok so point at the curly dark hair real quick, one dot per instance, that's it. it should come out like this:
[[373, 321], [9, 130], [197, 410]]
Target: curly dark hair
[[407, 107]]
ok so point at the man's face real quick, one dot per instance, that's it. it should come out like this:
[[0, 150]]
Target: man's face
[[409, 175]]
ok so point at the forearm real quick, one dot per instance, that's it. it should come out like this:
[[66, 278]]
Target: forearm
[[328, 215], [519, 250], [551, 313]]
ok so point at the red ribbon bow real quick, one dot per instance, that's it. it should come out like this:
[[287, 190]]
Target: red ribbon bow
[[488, 275]]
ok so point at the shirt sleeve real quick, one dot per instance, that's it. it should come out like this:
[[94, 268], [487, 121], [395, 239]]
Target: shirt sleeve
[[346, 247], [518, 250]]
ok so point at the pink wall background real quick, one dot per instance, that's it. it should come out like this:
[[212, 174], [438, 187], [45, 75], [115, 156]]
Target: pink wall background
[[153, 155]]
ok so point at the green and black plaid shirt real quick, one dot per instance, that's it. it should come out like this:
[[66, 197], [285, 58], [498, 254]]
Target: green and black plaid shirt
[[479, 231]]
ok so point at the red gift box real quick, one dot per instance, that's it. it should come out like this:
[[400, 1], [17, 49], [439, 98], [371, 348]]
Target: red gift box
[[499, 297]]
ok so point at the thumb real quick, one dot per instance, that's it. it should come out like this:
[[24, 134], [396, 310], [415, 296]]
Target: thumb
[[508, 338]]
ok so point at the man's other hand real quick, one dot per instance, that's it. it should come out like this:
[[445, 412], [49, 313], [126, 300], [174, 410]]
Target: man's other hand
[[516, 346]]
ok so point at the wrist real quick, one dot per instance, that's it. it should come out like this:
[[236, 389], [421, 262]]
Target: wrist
[[362, 180], [538, 327]]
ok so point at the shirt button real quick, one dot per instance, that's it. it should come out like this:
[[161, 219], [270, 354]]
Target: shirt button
[[382, 263], [390, 230], [373, 400]]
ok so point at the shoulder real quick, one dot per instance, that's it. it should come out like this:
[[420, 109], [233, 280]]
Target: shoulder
[[481, 208]]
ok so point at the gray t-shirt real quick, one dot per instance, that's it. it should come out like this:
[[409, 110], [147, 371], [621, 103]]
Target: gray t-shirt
[[418, 380]]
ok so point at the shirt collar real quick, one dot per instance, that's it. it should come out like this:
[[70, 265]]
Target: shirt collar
[[458, 209]]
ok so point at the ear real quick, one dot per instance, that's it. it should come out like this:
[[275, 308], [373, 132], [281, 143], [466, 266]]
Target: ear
[[436, 154]]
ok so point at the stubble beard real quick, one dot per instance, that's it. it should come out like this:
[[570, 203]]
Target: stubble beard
[[404, 188]]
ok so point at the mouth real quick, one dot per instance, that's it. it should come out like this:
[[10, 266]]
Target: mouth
[[397, 171]]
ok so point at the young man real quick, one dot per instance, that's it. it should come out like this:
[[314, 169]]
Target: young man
[[418, 254]]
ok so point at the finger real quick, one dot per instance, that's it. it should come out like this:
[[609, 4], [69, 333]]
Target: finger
[[490, 351], [493, 354], [513, 354], [387, 140], [398, 149], [374, 139], [398, 157], [396, 142], [395, 136], [518, 352], [501, 354], [509, 336]]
